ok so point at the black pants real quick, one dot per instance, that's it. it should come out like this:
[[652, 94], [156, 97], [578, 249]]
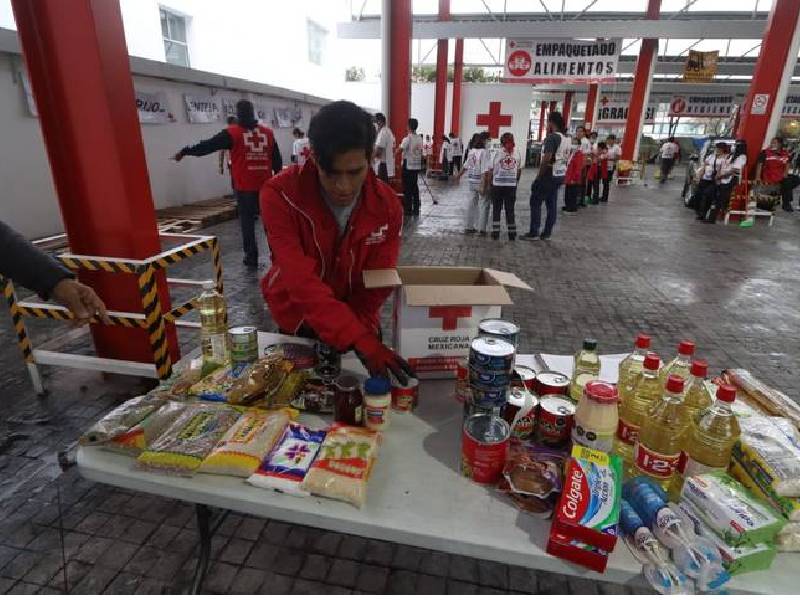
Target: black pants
[[706, 198], [606, 185], [410, 191], [456, 164], [446, 167], [248, 211], [504, 197], [666, 168], [383, 172], [788, 184], [721, 200], [571, 195]]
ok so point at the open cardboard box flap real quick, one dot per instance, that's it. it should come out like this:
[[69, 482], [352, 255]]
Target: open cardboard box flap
[[456, 295], [441, 280]]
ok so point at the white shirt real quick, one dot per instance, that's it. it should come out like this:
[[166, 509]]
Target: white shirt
[[427, 149], [456, 146], [614, 152], [733, 167], [562, 155], [713, 166], [586, 145], [412, 151], [669, 150], [505, 167], [385, 140], [300, 150], [444, 153], [478, 162]]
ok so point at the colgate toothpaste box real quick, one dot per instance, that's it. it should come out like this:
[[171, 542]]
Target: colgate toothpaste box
[[588, 510]]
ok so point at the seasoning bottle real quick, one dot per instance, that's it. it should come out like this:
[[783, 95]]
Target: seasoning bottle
[[596, 417], [348, 401], [377, 403]]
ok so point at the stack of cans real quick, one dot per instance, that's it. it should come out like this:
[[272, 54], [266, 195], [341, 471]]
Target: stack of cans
[[491, 364]]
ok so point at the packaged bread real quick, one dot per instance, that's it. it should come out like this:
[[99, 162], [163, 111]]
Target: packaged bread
[[122, 418], [244, 384], [771, 401], [768, 449], [138, 437], [344, 464]]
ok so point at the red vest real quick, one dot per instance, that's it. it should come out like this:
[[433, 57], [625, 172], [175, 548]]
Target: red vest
[[251, 157], [774, 165]]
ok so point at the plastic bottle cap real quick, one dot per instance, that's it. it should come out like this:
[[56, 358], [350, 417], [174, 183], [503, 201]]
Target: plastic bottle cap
[[601, 392], [642, 340], [699, 368], [686, 347], [675, 384], [652, 361], [590, 344], [377, 385], [726, 393]]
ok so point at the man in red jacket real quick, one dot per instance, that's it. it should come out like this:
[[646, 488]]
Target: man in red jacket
[[254, 158], [326, 223]]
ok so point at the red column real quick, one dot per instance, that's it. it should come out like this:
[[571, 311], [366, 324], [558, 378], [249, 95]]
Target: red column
[[553, 106], [542, 112], [80, 74], [399, 71], [771, 78], [591, 106], [642, 78], [567, 108], [458, 78], [440, 95]]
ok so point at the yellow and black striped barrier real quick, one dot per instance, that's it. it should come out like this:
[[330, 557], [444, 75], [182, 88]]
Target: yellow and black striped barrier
[[23, 341]]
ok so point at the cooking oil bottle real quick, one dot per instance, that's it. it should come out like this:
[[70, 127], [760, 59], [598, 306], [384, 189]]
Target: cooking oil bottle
[[697, 398], [680, 364], [587, 367], [710, 440], [213, 327], [631, 367], [633, 411], [661, 438]]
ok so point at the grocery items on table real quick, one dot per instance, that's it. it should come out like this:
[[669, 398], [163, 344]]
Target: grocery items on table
[[680, 365], [631, 367], [587, 367], [214, 340], [596, 417]]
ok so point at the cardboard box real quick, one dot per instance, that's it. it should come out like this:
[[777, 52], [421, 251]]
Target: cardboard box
[[437, 311]]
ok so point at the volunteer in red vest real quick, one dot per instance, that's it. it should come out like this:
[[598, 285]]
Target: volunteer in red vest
[[773, 169], [327, 222], [254, 158]]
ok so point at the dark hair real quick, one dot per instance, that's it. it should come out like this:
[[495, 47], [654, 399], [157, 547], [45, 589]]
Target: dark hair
[[413, 124], [246, 114], [580, 127], [478, 141], [231, 120], [593, 133], [556, 120], [506, 135], [297, 131], [723, 146], [739, 148], [452, 135], [602, 146], [780, 140], [611, 136], [380, 118], [671, 139], [339, 127]]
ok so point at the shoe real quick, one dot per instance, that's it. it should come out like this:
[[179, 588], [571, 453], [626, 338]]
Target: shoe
[[571, 213], [529, 237], [788, 208], [564, 208], [700, 217], [544, 238]]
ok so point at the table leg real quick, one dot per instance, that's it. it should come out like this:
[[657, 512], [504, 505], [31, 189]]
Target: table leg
[[206, 527]]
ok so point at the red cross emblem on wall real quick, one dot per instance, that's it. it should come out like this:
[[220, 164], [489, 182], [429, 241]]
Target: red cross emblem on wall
[[449, 315], [255, 140], [494, 120]]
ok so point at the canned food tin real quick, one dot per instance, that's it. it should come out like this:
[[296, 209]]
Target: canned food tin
[[244, 345], [524, 377], [555, 420], [526, 423], [329, 361], [491, 354], [405, 397], [497, 328], [489, 397], [484, 446], [489, 379], [551, 382], [462, 381]]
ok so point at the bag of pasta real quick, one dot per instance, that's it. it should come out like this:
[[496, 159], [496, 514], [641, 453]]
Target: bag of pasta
[[344, 464], [138, 437], [122, 418]]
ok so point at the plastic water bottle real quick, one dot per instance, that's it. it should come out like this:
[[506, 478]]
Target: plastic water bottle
[[213, 327], [587, 367], [680, 365], [631, 367]]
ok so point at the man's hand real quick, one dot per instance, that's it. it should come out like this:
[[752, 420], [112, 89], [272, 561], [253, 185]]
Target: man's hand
[[81, 301], [178, 157], [380, 360]]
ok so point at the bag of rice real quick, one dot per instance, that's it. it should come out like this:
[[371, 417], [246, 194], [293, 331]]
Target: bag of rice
[[183, 446], [138, 437], [122, 418], [244, 446], [285, 467], [344, 464]]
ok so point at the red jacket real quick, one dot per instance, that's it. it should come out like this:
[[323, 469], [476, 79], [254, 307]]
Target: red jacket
[[251, 156], [575, 166], [316, 279], [599, 168]]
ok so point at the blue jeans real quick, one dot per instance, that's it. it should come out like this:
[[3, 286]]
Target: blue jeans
[[544, 189]]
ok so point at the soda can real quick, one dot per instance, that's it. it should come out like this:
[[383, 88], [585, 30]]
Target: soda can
[[555, 420], [526, 422], [489, 379], [484, 447], [551, 382], [405, 397], [491, 354], [462, 381], [524, 377], [244, 345], [497, 328]]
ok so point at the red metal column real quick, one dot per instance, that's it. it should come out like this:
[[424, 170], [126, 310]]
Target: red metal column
[[440, 95], [642, 78], [566, 113], [771, 78], [400, 71], [458, 78], [80, 74], [590, 116], [542, 111]]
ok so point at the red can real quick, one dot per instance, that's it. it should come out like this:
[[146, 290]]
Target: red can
[[524, 377], [526, 423], [551, 382], [556, 416], [484, 447], [405, 397], [462, 381]]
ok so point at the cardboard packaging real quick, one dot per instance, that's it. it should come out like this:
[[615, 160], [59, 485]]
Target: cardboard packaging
[[437, 311]]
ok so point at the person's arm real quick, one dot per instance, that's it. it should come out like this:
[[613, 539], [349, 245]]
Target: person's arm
[[277, 159], [222, 162], [549, 149], [761, 158], [221, 141]]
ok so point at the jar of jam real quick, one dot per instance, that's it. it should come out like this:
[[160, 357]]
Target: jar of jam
[[348, 400]]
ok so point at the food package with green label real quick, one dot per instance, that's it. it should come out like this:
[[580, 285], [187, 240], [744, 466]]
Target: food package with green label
[[731, 511], [770, 447], [754, 480]]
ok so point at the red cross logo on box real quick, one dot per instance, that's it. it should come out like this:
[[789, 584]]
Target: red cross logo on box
[[449, 315], [255, 140], [494, 120]]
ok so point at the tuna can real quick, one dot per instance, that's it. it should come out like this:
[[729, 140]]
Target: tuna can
[[405, 397], [497, 328], [484, 446], [551, 382], [556, 417], [489, 396], [524, 377], [462, 381], [329, 361], [489, 379], [491, 354], [526, 423], [244, 345]]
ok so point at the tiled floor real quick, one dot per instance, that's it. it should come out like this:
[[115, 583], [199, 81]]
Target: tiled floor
[[641, 263]]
